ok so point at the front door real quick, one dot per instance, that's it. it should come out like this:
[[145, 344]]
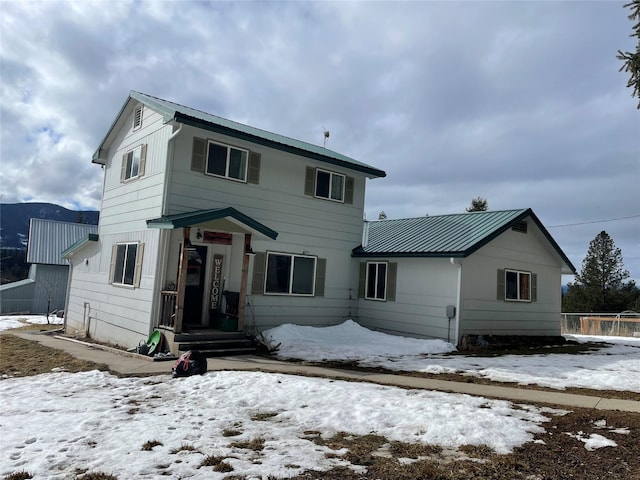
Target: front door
[[194, 288]]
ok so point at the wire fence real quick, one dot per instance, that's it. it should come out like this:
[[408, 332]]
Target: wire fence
[[625, 324]]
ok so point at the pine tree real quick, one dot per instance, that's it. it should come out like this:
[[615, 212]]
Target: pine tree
[[631, 61], [478, 204]]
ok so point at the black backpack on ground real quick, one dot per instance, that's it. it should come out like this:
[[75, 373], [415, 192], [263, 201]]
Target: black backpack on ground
[[190, 363]]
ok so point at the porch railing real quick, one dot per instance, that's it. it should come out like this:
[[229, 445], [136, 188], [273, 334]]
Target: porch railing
[[168, 308]]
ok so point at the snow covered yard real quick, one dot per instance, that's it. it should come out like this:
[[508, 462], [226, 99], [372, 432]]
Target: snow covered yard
[[259, 425]]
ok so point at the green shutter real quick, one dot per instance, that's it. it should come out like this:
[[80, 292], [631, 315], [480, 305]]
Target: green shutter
[[392, 275], [112, 267], [137, 275], [348, 190], [253, 172], [500, 289], [321, 272], [310, 181], [362, 282], [259, 266], [123, 169], [143, 160], [198, 154], [534, 287]]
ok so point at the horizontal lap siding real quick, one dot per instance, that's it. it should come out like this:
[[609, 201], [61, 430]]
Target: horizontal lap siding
[[423, 290], [322, 228], [484, 314]]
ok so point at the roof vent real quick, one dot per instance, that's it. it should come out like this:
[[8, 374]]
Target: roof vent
[[520, 227], [137, 117]]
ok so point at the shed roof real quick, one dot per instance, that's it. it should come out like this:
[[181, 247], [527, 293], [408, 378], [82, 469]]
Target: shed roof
[[454, 235], [48, 239], [179, 113]]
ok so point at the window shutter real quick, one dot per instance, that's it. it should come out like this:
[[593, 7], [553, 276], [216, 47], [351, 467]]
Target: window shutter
[[362, 282], [392, 275], [259, 265], [112, 267], [321, 272], [137, 275], [348, 190], [198, 155], [310, 181], [254, 168], [143, 159], [534, 287], [500, 290], [123, 169]]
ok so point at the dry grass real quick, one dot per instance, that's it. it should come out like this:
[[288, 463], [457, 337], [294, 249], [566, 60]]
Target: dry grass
[[20, 358]]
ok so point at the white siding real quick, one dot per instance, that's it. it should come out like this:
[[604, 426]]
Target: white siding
[[424, 288], [305, 224], [483, 313]]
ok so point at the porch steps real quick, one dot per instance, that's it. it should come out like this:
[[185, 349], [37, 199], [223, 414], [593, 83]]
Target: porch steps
[[215, 344]]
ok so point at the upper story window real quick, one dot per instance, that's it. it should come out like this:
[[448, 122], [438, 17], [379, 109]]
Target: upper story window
[[137, 117], [220, 160], [133, 163], [226, 161], [333, 186]]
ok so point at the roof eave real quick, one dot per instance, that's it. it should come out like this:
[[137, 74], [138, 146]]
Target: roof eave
[[92, 237]]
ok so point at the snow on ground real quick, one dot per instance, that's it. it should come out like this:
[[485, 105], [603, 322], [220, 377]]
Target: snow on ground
[[55, 423], [8, 322], [613, 367]]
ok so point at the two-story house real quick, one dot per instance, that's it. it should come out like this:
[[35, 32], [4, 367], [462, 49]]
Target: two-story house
[[209, 223]]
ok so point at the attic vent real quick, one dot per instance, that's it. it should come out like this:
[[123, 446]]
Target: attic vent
[[520, 227], [137, 117]]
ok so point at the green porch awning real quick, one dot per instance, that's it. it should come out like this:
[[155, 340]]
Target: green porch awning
[[203, 217]]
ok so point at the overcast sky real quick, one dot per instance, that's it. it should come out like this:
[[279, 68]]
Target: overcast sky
[[521, 103]]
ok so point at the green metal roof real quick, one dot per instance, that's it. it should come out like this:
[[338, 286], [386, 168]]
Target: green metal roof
[[190, 219], [455, 235], [179, 113], [92, 237]]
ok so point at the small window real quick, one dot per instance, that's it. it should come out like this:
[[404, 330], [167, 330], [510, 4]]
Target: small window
[[137, 117], [133, 163], [289, 274], [226, 161], [517, 286], [330, 185], [376, 288], [126, 262]]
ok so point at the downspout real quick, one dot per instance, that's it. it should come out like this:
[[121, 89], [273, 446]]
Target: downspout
[[67, 295], [458, 297], [165, 235]]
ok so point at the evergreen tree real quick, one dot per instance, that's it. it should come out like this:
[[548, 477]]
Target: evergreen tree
[[631, 61], [478, 204], [600, 285]]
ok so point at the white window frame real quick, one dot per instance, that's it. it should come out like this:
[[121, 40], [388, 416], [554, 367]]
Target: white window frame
[[293, 257], [128, 170], [330, 194], [519, 275], [122, 281], [138, 113], [227, 162], [376, 278]]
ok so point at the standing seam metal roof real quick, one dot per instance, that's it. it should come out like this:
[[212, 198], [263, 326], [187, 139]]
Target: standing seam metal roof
[[455, 235], [49, 238]]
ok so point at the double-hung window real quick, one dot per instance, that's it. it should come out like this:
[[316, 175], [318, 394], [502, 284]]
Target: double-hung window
[[376, 287], [517, 286], [226, 161], [126, 264], [290, 274], [133, 163], [330, 185]]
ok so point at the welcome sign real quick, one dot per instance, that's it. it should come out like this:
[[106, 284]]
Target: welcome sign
[[216, 282]]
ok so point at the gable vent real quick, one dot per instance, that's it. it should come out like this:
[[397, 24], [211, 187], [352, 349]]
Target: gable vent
[[137, 117], [520, 227]]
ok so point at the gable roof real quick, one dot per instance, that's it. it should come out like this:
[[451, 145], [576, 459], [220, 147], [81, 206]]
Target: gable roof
[[48, 239], [173, 112], [454, 235], [188, 219]]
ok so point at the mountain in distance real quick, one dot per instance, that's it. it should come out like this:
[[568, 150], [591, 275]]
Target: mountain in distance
[[15, 218]]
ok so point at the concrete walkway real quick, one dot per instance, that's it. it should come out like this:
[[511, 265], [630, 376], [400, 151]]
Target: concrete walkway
[[126, 363]]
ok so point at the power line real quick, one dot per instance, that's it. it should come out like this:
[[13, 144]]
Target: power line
[[595, 221]]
